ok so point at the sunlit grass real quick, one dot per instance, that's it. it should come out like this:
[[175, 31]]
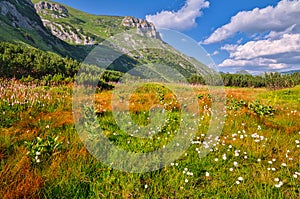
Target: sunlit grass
[[255, 156]]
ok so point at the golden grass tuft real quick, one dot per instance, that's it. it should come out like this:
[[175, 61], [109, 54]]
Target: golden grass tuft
[[20, 181]]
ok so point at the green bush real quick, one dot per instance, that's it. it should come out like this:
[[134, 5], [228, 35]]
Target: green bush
[[261, 109], [17, 61], [41, 149], [234, 104]]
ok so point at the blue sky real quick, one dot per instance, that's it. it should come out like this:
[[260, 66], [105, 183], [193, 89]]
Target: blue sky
[[253, 35]]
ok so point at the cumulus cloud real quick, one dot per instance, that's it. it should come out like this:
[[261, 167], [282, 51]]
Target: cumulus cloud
[[274, 38], [253, 64], [287, 43], [283, 18], [182, 19], [214, 53], [265, 54]]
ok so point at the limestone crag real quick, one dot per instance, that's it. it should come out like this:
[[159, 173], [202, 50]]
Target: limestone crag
[[17, 19], [52, 9], [143, 27], [68, 33], [63, 31]]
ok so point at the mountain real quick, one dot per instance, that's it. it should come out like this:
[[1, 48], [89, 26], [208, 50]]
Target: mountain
[[51, 26], [80, 28], [243, 72], [290, 72], [21, 25]]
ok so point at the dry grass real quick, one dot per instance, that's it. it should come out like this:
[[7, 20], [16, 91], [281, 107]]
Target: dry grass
[[20, 180], [75, 173]]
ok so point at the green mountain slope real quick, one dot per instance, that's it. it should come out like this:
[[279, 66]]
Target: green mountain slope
[[77, 27], [50, 26], [20, 24], [74, 26]]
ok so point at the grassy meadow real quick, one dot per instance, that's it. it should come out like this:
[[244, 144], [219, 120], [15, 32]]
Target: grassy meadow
[[257, 154]]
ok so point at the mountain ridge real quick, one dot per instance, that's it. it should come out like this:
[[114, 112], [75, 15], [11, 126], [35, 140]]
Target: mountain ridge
[[290, 72], [81, 28], [21, 25], [73, 33]]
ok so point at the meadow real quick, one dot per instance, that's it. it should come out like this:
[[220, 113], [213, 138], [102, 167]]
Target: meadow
[[257, 154]]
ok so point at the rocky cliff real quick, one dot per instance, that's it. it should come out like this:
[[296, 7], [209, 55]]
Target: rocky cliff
[[52, 9], [68, 33], [63, 31], [67, 27], [143, 27], [20, 23], [16, 18]]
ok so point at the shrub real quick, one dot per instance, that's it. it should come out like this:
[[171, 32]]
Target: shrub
[[234, 104], [261, 109], [41, 149]]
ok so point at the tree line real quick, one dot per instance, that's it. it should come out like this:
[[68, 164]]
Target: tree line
[[273, 80], [17, 61], [28, 63]]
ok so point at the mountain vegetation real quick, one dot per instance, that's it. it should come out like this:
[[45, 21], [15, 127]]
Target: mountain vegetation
[[21, 25], [46, 46], [43, 39]]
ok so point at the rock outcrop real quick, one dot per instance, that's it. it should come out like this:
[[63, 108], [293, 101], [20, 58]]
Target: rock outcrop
[[23, 24], [67, 33], [17, 19], [143, 27], [52, 9], [63, 31]]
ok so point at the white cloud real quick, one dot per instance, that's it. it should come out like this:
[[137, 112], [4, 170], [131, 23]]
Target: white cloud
[[215, 53], [253, 64], [265, 54], [182, 19], [276, 35], [281, 18], [287, 43], [274, 38]]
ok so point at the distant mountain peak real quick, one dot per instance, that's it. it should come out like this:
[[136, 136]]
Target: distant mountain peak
[[243, 72], [290, 72]]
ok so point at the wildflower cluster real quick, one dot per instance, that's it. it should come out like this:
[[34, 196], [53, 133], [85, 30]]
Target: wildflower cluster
[[40, 149], [16, 97]]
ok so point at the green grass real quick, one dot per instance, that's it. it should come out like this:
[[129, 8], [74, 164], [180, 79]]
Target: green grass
[[98, 26], [75, 173]]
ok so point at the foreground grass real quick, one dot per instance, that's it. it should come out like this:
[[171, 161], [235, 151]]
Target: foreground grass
[[255, 156]]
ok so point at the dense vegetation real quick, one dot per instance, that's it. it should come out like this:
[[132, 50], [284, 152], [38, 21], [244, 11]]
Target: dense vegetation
[[28, 63], [255, 156], [21, 61], [273, 80], [33, 65]]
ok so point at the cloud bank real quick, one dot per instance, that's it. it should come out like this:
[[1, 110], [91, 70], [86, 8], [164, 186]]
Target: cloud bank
[[282, 18], [276, 45]]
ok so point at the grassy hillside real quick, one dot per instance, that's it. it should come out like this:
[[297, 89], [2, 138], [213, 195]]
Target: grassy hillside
[[36, 34], [97, 26], [33, 33]]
